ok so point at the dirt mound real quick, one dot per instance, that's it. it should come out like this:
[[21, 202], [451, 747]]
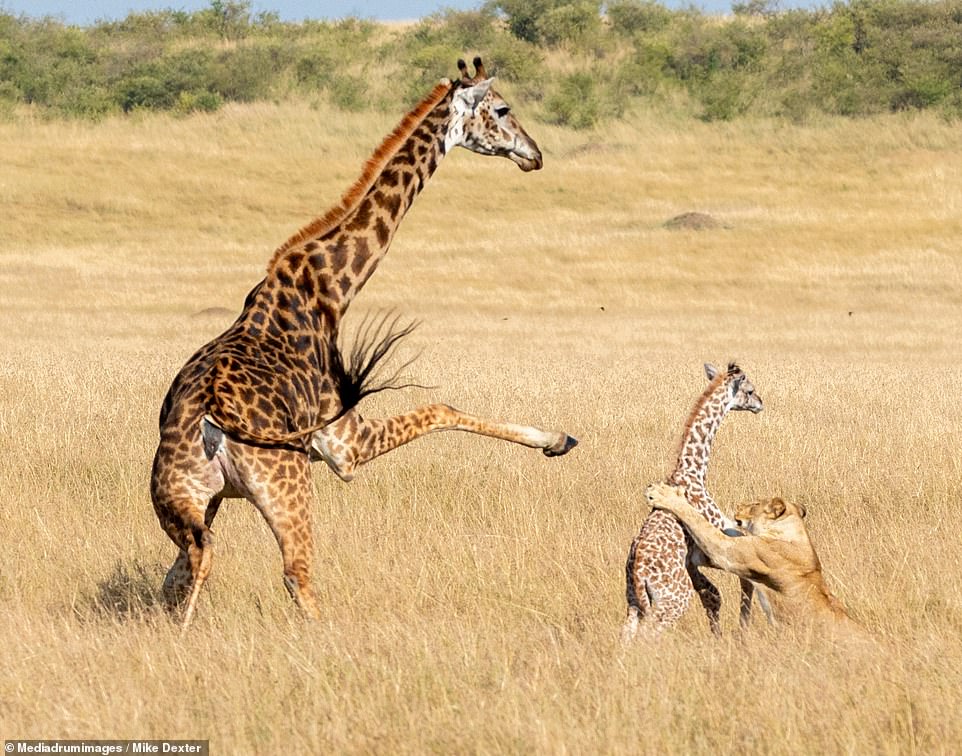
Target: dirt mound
[[694, 222]]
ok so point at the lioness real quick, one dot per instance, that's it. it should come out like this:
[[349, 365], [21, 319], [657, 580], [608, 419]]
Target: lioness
[[775, 552]]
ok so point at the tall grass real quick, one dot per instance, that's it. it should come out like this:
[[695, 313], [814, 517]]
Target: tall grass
[[473, 592]]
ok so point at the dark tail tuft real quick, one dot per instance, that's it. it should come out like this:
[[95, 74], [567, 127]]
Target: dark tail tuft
[[374, 342]]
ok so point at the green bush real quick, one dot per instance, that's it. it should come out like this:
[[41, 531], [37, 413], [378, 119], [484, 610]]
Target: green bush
[[523, 16], [348, 92], [575, 103], [630, 17], [582, 61], [516, 61], [249, 72], [198, 102], [315, 68], [724, 97], [643, 74], [145, 92], [427, 66], [575, 24]]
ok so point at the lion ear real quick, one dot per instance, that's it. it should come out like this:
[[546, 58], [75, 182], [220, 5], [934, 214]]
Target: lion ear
[[801, 510], [777, 508]]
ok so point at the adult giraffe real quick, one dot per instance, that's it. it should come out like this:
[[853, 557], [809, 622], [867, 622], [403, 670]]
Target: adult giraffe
[[246, 414]]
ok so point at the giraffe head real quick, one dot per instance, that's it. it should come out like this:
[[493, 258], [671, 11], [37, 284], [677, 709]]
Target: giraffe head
[[482, 122], [741, 392]]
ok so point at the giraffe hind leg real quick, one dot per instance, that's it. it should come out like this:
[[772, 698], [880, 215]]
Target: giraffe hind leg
[[639, 606], [655, 609], [352, 441], [177, 583], [668, 608], [199, 555], [179, 579], [286, 501], [710, 598], [630, 629]]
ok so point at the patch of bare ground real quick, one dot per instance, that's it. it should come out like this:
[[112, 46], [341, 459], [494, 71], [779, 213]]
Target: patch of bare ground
[[694, 221]]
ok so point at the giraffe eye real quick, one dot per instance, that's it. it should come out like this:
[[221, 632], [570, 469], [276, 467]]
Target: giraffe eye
[[502, 111]]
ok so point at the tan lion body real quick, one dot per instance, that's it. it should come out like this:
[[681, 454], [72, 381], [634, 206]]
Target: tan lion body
[[776, 552]]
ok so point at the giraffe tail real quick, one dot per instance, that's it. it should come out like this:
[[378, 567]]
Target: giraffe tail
[[359, 374], [354, 378]]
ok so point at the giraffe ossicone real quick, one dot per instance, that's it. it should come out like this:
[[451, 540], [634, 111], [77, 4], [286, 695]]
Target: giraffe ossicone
[[248, 412]]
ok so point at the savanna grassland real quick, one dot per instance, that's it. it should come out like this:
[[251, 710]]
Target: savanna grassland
[[473, 591]]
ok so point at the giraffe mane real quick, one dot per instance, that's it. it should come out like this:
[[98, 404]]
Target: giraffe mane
[[372, 169], [710, 389]]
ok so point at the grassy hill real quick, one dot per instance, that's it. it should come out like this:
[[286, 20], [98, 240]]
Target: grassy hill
[[473, 592]]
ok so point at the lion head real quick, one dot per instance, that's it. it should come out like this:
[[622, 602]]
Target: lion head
[[774, 518]]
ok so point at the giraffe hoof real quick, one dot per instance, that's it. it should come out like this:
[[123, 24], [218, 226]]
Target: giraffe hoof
[[569, 443]]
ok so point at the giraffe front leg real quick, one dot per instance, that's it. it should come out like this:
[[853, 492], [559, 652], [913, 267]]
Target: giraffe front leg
[[352, 441]]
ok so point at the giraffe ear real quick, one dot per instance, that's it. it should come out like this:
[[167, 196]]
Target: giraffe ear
[[471, 95], [711, 371]]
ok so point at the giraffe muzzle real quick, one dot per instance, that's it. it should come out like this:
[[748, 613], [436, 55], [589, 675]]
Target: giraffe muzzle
[[526, 164]]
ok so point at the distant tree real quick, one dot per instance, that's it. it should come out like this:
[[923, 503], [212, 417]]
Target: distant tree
[[758, 8], [231, 19], [523, 16]]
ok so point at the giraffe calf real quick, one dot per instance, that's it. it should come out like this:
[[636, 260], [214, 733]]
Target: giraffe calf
[[663, 569], [775, 550]]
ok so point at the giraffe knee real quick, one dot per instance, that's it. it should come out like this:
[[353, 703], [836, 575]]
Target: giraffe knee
[[335, 452]]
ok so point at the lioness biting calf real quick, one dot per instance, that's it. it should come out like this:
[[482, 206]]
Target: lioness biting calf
[[775, 552]]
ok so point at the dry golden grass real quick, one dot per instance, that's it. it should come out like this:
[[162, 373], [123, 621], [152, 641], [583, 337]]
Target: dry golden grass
[[472, 591]]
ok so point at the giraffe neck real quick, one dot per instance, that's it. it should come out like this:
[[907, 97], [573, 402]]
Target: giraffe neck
[[692, 467], [326, 264]]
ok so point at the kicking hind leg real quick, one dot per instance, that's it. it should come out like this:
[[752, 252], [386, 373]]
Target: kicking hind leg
[[658, 588], [659, 604], [654, 614], [352, 441]]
